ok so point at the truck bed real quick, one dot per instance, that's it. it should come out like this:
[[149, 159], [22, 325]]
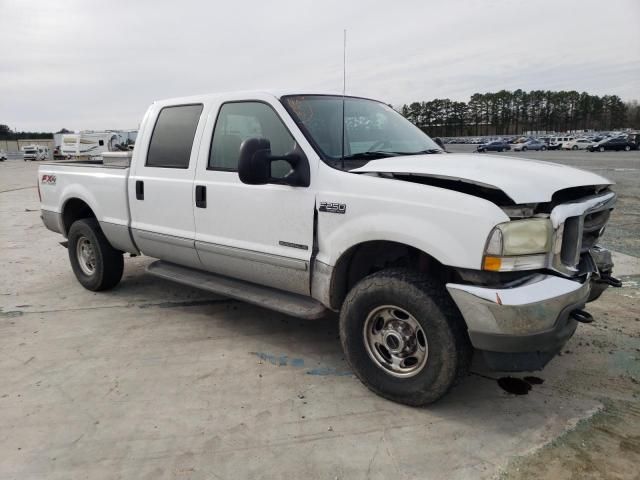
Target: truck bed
[[101, 186]]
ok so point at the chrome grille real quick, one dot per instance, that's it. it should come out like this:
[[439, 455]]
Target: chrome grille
[[577, 227]]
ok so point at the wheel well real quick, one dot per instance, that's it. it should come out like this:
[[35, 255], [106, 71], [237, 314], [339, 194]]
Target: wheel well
[[73, 210], [369, 257]]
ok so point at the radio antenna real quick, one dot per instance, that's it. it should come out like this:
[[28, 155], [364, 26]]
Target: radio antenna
[[344, 88]]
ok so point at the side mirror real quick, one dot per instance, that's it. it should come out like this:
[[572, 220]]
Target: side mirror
[[254, 164]]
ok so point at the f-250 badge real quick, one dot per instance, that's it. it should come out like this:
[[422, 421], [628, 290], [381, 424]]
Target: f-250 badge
[[49, 179], [331, 207]]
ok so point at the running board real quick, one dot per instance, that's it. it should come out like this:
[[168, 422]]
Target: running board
[[271, 298]]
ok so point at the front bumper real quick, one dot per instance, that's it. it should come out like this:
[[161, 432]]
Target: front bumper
[[521, 328]]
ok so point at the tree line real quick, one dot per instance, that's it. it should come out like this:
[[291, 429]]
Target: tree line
[[6, 133], [516, 112]]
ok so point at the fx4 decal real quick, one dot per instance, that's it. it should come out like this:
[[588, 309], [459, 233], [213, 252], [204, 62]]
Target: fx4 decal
[[48, 179], [331, 207]]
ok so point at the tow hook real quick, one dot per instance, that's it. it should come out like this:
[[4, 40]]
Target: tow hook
[[581, 316]]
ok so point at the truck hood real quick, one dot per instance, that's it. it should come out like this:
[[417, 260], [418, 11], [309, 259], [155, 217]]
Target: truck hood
[[523, 181]]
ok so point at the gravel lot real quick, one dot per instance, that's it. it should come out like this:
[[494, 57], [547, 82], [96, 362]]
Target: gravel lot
[[154, 380]]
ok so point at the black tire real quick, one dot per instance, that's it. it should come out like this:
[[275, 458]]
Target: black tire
[[601, 149], [109, 262], [500, 150], [575, 147], [524, 149], [627, 148], [542, 149], [449, 350]]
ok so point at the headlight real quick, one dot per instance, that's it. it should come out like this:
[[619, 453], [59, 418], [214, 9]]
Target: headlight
[[518, 245]]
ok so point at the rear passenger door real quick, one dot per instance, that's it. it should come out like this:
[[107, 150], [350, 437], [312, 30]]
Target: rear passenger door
[[161, 185]]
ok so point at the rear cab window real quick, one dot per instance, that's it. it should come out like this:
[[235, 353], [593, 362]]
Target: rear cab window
[[172, 137]]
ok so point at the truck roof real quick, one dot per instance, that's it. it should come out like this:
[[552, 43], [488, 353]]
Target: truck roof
[[244, 94]]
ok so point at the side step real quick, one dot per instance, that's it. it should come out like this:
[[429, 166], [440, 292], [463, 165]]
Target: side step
[[271, 298]]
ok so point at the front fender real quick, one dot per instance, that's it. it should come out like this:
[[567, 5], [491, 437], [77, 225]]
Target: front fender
[[450, 226]]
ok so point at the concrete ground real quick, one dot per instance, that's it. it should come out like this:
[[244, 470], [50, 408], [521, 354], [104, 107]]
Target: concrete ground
[[155, 381]]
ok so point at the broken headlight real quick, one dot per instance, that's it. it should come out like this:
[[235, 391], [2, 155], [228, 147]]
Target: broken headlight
[[518, 245]]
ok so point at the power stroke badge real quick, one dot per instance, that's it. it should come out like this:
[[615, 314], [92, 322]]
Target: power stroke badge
[[331, 207]]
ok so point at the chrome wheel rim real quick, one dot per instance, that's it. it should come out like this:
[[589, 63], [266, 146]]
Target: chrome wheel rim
[[86, 256], [395, 341]]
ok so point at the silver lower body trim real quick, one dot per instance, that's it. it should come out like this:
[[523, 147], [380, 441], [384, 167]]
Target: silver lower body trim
[[119, 237], [284, 273], [167, 247], [52, 220]]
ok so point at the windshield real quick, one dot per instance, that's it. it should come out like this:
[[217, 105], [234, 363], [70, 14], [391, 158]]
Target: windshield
[[371, 129]]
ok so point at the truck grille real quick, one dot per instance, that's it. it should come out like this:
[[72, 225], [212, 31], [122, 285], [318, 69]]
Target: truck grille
[[578, 226]]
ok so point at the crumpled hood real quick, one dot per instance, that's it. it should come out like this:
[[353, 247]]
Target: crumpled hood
[[524, 181]]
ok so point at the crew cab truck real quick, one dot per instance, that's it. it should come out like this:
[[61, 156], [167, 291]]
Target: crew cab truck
[[308, 203]]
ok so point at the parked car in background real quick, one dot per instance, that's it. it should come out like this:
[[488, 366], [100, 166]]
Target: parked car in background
[[558, 142], [577, 144], [3, 156], [619, 143], [552, 144], [530, 145], [634, 138], [495, 146]]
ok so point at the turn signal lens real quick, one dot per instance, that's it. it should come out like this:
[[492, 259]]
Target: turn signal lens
[[492, 264]]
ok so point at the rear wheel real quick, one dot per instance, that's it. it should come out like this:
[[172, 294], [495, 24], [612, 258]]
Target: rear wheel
[[601, 149], [627, 148], [96, 264], [404, 337], [524, 149], [575, 147], [543, 148]]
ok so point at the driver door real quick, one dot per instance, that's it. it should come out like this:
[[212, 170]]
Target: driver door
[[258, 233]]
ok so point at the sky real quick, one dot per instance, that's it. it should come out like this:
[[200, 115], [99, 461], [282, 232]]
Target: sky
[[89, 64]]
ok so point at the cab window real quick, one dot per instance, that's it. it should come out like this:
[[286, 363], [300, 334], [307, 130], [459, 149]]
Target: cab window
[[238, 121], [172, 137]]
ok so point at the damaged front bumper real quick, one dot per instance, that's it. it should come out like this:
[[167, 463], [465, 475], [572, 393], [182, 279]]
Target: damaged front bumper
[[521, 328]]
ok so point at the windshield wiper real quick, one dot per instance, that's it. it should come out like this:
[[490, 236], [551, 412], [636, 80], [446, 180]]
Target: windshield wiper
[[386, 153], [370, 155], [428, 150]]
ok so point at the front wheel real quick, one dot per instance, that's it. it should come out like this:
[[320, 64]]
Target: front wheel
[[627, 148], [524, 149], [404, 337], [542, 149], [601, 149], [575, 147], [96, 264]]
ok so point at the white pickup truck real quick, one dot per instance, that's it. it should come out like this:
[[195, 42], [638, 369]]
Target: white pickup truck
[[313, 203]]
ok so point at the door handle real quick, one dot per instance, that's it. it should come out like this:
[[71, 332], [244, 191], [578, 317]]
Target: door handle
[[201, 196], [139, 190]]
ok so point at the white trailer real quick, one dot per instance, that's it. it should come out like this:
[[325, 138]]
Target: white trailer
[[35, 152], [91, 144]]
